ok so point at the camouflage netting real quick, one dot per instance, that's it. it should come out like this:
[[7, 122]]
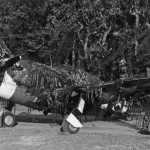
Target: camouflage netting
[[57, 82], [44, 77], [141, 112], [137, 92]]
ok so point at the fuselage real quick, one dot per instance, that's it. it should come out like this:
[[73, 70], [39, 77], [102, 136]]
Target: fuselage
[[28, 83]]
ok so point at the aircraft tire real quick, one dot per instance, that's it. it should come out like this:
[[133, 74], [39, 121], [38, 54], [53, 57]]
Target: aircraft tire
[[61, 129], [129, 118], [9, 119], [68, 128]]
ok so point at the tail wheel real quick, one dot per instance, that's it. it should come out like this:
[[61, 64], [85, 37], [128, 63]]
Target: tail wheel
[[9, 119], [67, 127], [129, 118]]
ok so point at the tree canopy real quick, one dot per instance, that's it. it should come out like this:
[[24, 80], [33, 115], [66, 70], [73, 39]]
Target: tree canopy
[[108, 38]]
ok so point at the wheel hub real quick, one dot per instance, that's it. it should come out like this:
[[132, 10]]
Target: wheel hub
[[72, 127], [8, 120]]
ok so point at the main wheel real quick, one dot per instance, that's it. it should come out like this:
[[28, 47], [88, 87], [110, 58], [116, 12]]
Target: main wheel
[[67, 127], [9, 119]]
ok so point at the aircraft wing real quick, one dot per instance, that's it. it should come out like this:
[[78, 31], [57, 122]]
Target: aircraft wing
[[131, 87]]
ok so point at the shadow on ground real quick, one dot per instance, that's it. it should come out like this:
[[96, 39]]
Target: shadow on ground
[[25, 117], [57, 119]]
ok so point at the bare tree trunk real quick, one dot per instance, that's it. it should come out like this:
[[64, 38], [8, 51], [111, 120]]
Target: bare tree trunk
[[105, 35], [129, 64], [111, 71], [86, 47], [136, 25]]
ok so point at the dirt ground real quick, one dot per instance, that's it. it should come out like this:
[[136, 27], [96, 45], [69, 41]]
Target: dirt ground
[[95, 135]]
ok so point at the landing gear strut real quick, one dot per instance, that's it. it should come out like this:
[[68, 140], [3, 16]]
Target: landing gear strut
[[71, 124]]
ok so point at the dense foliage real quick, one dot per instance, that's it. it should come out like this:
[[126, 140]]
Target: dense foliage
[[109, 38]]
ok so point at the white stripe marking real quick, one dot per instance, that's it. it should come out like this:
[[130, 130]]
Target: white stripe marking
[[81, 105], [74, 121], [8, 87], [104, 106]]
